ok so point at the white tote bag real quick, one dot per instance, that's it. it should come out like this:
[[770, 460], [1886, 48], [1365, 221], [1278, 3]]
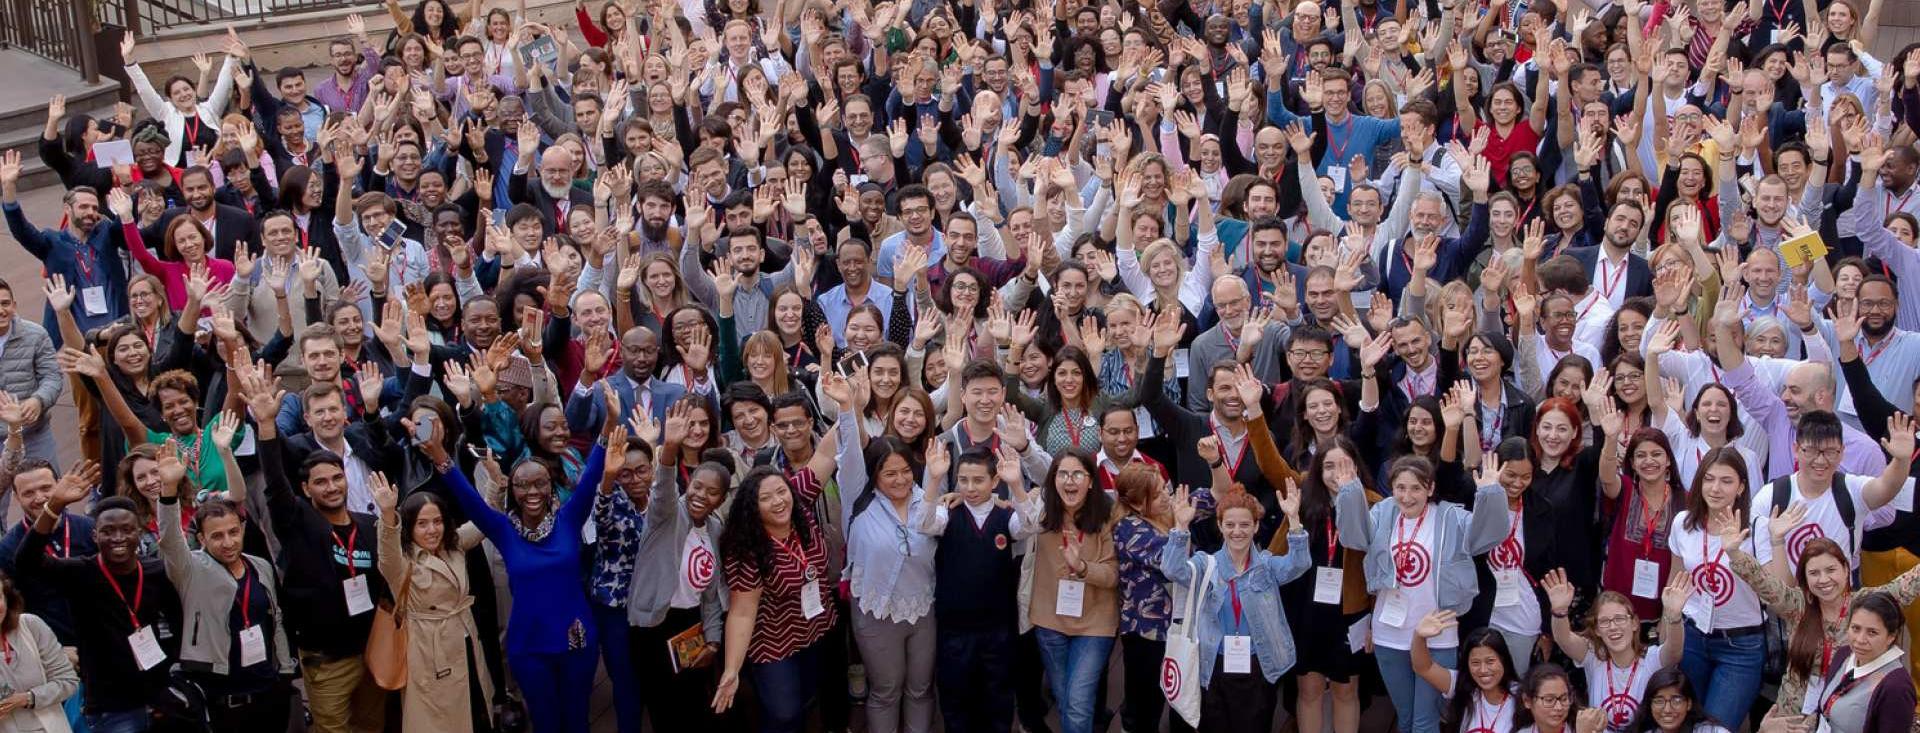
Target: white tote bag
[[1180, 669]]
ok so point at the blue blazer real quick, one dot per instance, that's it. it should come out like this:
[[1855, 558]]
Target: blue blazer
[[587, 409]]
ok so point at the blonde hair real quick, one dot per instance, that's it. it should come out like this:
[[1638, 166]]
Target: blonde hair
[[764, 342], [1159, 247]]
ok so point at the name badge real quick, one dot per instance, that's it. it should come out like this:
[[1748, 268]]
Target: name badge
[[359, 600], [1339, 175], [146, 648], [1646, 579], [1509, 592], [253, 646], [1326, 585], [810, 603], [1181, 368], [1239, 654], [94, 299], [1072, 594], [1393, 610]]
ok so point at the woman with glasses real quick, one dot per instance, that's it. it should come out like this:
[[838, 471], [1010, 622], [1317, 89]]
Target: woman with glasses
[[1610, 650], [1419, 558], [1672, 707], [892, 569], [1075, 609], [1551, 706]]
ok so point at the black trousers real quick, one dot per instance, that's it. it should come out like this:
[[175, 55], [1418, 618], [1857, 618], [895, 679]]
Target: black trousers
[[971, 675], [267, 710], [1140, 677], [674, 701], [1238, 703], [1029, 684]]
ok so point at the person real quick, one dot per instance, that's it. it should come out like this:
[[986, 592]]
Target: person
[[240, 666], [1328, 596], [36, 669], [30, 373], [447, 686], [1867, 687], [1147, 517], [1552, 705], [1419, 557], [1610, 650], [1075, 610], [1726, 647], [1483, 699], [1245, 642], [1672, 707]]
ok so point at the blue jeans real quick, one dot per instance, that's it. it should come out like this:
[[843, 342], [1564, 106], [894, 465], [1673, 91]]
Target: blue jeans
[[136, 720], [785, 688], [1416, 704], [1725, 671], [612, 625], [1074, 667]]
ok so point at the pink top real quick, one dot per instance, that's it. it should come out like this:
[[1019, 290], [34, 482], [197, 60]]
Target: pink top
[[173, 274]]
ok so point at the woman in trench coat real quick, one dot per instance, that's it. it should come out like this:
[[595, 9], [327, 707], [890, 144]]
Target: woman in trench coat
[[448, 688]]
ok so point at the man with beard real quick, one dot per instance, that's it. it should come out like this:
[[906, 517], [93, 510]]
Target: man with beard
[[319, 350], [1809, 387], [1430, 219], [346, 88], [1618, 273], [1891, 354], [117, 597], [231, 226], [634, 383], [555, 195], [656, 211], [1873, 203], [1119, 446], [327, 553], [86, 254], [855, 261], [743, 249], [1238, 337], [33, 483], [963, 242]]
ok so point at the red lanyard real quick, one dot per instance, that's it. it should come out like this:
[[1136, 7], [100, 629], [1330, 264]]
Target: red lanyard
[[66, 539], [246, 598], [1705, 562], [1233, 464], [1846, 685], [1487, 719], [1416, 388], [1631, 673], [799, 555], [1867, 356], [1233, 590], [1649, 514], [139, 588], [1610, 278], [1345, 131], [1892, 207], [1400, 523], [193, 133], [1333, 543], [353, 538], [1073, 427]]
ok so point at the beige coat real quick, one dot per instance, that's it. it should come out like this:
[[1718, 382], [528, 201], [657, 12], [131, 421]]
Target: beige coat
[[439, 619]]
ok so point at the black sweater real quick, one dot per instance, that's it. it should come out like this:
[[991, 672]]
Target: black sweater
[[113, 679], [313, 565]]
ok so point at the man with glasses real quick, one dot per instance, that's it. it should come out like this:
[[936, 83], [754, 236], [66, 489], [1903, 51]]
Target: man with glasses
[[1882, 172], [1834, 503], [1558, 320], [1892, 355], [1119, 446], [916, 213], [634, 383], [963, 244], [1231, 340]]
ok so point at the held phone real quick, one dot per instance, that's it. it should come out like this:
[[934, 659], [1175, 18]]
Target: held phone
[[1101, 117], [852, 363], [392, 234], [423, 429]]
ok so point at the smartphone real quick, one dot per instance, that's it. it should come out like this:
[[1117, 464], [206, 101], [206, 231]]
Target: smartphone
[[1100, 117], [423, 429], [852, 363], [392, 234]]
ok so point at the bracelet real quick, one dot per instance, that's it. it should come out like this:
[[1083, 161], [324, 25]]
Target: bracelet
[[444, 466], [1215, 464], [1559, 614], [1829, 160]]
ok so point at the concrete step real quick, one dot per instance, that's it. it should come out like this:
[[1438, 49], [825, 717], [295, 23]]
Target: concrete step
[[30, 82]]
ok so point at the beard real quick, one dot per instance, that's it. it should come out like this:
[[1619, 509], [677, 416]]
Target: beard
[[1877, 332], [557, 192], [654, 230]]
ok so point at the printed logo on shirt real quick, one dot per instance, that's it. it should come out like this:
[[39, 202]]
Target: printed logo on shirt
[[1715, 581], [1411, 563], [1798, 538], [699, 568]]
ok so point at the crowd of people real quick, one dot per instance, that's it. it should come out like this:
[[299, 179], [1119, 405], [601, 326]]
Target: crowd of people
[[1519, 365]]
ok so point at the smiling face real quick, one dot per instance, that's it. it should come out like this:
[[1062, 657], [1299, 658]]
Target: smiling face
[[179, 410], [1411, 493], [532, 491], [775, 501], [1071, 481], [1615, 625], [1650, 461], [1322, 410], [1827, 578], [1555, 434], [1484, 666], [117, 533], [130, 354]]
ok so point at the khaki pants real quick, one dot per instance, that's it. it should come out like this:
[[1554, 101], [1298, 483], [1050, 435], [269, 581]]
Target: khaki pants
[[341, 695]]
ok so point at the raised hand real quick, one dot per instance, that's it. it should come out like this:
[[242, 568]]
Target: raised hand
[[1780, 523], [1674, 597], [1559, 591], [1435, 623]]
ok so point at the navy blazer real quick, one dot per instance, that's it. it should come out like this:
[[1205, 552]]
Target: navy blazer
[[1455, 257], [1639, 275], [586, 410]]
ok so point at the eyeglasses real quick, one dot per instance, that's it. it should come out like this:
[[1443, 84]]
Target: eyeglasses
[[1878, 305], [786, 425], [1672, 701], [1607, 621], [1072, 475], [1309, 353], [1825, 454], [1553, 701]]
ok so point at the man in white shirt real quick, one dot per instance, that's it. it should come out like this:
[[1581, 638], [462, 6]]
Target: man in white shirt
[[1829, 508]]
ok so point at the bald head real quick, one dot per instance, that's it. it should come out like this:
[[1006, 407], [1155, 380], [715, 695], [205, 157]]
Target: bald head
[[1231, 299], [1808, 387]]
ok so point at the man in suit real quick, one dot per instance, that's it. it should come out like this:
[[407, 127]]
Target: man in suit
[[230, 226], [555, 194], [639, 351], [1618, 273]]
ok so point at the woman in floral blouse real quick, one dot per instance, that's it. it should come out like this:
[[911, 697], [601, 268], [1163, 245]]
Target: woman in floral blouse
[[1823, 580], [1145, 604]]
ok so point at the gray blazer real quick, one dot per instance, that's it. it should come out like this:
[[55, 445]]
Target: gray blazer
[[1211, 347], [656, 567], [1458, 535], [27, 366], [206, 599]]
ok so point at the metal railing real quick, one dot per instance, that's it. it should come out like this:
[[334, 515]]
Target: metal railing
[[63, 32], [145, 17]]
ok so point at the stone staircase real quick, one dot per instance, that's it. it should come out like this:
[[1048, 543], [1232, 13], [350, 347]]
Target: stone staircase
[[25, 85]]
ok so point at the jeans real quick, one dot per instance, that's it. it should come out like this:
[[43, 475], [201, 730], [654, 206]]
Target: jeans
[[136, 720], [785, 688], [614, 651], [971, 671], [1725, 671], [1074, 666], [1416, 705]]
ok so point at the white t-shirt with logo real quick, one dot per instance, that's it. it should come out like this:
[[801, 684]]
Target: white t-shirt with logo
[[1414, 565], [697, 564], [1618, 690], [1521, 615], [1721, 600], [1823, 517]]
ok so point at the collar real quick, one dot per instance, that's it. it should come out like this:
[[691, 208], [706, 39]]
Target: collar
[[1887, 657], [1106, 461]]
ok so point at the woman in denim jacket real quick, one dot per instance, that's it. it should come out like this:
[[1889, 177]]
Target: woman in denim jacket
[[1245, 644], [1419, 559]]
